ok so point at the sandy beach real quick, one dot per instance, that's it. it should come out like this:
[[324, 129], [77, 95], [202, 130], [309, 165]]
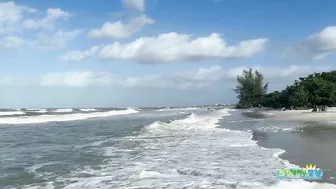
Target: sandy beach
[[307, 137], [301, 115]]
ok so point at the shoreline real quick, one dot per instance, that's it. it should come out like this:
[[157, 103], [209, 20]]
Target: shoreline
[[312, 142], [301, 157], [296, 115]]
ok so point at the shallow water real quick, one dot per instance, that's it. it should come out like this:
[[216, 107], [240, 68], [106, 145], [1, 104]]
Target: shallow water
[[167, 148]]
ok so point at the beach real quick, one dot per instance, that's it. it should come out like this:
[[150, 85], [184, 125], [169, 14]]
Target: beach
[[149, 148], [307, 137], [303, 115]]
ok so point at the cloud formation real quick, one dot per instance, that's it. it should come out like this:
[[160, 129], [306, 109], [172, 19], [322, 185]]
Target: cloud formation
[[59, 39], [183, 80], [318, 45], [19, 19], [172, 46], [119, 29], [48, 21], [196, 78], [11, 15], [76, 56], [135, 4], [75, 79], [11, 42]]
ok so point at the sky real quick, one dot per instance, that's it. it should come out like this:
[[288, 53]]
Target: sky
[[123, 53]]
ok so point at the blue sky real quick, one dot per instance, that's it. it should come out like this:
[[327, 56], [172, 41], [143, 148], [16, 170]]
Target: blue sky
[[155, 52]]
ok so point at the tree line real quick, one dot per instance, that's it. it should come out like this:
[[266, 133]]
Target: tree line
[[315, 90]]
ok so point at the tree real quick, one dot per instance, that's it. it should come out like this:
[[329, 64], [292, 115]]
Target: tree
[[250, 88], [318, 89]]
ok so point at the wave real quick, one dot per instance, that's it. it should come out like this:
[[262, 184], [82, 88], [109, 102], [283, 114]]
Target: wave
[[63, 110], [192, 122], [9, 113], [87, 109], [39, 110], [177, 109], [33, 109], [187, 153], [61, 118], [242, 147]]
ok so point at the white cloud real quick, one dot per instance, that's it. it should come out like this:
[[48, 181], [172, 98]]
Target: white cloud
[[77, 56], [135, 4], [11, 42], [119, 29], [317, 46], [180, 47], [200, 78], [75, 79], [48, 22], [11, 15], [59, 39]]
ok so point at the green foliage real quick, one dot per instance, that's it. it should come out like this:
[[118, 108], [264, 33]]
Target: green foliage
[[315, 89], [250, 88]]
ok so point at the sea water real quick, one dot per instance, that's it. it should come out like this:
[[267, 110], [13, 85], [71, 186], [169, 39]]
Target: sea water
[[134, 148]]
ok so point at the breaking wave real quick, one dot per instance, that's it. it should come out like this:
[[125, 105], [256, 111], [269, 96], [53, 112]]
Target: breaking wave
[[63, 110], [189, 153], [176, 109], [64, 117], [186, 153], [88, 109], [41, 110], [9, 113]]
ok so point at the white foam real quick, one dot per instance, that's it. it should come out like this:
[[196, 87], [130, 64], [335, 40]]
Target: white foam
[[298, 184], [49, 185], [177, 109], [63, 110], [187, 153], [9, 113], [34, 168], [154, 174], [191, 123], [241, 145], [88, 109], [61, 118], [32, 109], [190, 152], [274, 128], [40, 110]]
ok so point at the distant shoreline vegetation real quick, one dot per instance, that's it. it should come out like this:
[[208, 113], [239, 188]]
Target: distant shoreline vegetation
[[315, 91]]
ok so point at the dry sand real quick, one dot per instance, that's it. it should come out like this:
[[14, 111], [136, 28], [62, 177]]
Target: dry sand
[[303, 115]]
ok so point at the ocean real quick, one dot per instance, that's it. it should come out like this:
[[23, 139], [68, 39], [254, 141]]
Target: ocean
[[182, 148]]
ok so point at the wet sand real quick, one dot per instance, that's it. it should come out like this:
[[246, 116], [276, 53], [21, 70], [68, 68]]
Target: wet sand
[[311, 139], [311, 146]]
